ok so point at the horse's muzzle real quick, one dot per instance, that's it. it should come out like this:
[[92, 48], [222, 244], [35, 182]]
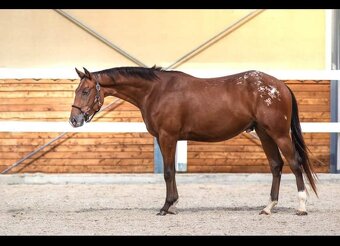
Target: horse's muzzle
[[77, 121]]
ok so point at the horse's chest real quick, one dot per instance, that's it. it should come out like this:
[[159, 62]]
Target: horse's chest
[[149, 120]]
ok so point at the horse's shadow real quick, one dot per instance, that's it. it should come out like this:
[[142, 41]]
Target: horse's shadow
[[235, 209], [198, 209]]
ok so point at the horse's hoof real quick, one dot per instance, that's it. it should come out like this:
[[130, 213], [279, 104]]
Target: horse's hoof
[[171, 210], [301, 213], [162, 213], [265, 212]]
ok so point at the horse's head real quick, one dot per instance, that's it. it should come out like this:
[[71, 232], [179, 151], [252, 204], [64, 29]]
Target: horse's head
[[88, 99]]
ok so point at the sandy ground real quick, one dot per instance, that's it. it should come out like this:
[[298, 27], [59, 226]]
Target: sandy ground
[[217, 205]]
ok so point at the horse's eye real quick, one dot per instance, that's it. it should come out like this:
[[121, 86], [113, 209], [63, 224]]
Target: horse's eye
[[85, 92]]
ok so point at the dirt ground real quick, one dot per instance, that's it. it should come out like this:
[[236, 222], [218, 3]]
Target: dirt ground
[[224, 204]]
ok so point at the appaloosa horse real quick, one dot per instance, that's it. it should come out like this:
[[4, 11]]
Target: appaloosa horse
[[176, 106]]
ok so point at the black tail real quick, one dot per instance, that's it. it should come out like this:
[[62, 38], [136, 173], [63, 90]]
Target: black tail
[[300, 145]]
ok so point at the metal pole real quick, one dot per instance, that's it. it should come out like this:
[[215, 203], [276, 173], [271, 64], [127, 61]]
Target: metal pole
[[215, 38], [335, 91], [100, 37]]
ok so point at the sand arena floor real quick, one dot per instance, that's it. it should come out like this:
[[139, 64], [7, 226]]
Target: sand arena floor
[[122, 204]]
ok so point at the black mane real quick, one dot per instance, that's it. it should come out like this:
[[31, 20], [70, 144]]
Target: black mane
[[141, 72]]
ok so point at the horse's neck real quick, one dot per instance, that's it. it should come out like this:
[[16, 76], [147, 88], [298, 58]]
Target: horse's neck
[[131, 89]]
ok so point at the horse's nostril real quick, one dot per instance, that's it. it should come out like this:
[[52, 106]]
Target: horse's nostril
[[73, 121]]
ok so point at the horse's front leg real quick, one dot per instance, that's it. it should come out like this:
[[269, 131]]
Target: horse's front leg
[[167, 144]]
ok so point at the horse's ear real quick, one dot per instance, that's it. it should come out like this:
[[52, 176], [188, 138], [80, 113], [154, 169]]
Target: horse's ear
[[87, 73], [80, 74]]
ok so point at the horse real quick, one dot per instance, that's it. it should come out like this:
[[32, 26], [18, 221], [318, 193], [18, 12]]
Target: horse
[[177, 106]]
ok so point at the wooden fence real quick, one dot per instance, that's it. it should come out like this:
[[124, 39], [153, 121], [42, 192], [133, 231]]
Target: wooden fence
[[50, 100]]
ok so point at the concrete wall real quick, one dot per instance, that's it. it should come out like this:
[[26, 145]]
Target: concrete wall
[[275, 39]]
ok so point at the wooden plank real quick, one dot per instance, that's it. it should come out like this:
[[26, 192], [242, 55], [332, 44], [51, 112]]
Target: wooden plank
[[242, 161], [47, 135], [313, 87], [241, 169], [79, 162], [311, 94], [63, 114], [39, 81], [16, 94], [315, 120], [65, 107], [315, 100], [53, 101], [243, 137], [35, 100], [312, 141], [81, 155], [228, 169], [316, 115], [38, 87], [83, 169], [226, 148], [305, 82], [32, 108], [212, 161], [224, 155], [81, 148], [118, 141], [314, 108], [92, 141]]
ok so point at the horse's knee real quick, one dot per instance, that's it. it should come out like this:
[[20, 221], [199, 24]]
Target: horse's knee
[[276, 167], [168, 174]]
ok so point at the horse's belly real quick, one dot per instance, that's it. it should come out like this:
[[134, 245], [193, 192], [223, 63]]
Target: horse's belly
[[215, 132]]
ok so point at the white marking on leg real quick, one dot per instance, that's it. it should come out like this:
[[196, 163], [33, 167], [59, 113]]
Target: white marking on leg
[[302, 201], [269, 207]]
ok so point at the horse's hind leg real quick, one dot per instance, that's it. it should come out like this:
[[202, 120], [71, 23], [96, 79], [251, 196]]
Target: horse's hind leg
[[167, 144], [286, 146], [276, 163]]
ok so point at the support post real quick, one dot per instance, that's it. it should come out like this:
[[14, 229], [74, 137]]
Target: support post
[[158, 159], [335, 92]]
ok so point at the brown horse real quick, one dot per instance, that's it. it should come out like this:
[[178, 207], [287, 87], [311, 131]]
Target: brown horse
[[176, 106]]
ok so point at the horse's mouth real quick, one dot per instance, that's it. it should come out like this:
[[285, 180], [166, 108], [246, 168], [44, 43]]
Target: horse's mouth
[[77, 121], [77, 124]]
